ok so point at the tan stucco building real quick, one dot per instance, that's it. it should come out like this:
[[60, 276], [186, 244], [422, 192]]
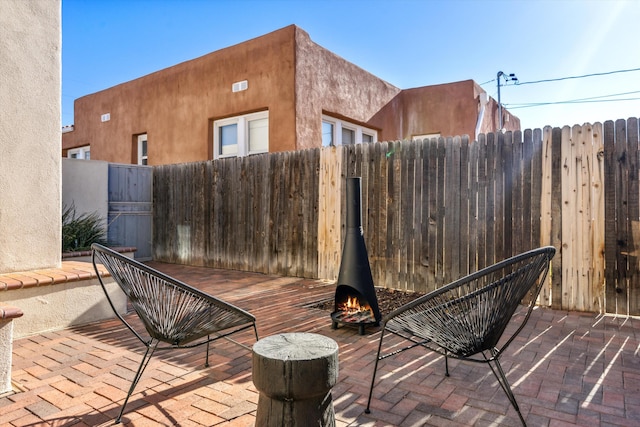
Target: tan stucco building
[[277, 92]]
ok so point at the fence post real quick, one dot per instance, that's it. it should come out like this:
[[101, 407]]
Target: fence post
[[329, 212]]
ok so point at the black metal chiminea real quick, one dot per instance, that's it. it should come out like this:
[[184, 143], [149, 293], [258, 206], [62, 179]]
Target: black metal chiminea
[[355, 300]]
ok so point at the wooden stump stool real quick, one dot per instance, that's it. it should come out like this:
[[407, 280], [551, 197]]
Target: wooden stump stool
[[294, 373]]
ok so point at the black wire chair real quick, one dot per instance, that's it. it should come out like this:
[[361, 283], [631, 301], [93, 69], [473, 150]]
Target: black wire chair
[[172, 312], [466, 319]]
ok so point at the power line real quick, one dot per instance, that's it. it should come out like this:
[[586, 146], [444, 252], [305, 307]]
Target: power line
[[606, 73], [589, 99], [579, 77], [594, 99], [541, 104]]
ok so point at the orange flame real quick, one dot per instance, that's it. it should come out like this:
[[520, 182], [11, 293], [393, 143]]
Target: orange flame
[[352, 306]]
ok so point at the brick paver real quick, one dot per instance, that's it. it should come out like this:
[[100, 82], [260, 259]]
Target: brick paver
[[565, 368]]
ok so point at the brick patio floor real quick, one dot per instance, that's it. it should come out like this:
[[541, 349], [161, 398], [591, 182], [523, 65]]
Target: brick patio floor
[[565, 369]]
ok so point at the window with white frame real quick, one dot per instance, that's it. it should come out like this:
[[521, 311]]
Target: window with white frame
[[80, 153], [426, 136], [327, 134], [143, 157], [340, 132], [241, 135]]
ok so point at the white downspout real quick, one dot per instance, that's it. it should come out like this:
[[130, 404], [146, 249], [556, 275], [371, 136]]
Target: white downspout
[[484, 99]]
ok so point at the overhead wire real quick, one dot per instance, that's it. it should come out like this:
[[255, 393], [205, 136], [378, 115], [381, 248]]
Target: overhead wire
[[592, 99], [575, 101], [578, 77], [540, 104], [606, 73]]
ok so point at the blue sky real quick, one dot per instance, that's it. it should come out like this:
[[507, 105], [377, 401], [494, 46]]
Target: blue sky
[[408, 43]]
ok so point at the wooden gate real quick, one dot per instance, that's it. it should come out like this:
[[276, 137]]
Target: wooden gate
[[130, 208]]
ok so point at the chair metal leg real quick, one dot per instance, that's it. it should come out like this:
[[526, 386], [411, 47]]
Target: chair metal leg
[[151, 348], [206, 363], [375, 369], [446, 363], [498, 372]]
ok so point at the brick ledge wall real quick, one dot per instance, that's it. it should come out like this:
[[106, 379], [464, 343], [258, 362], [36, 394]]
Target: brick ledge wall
[[69, 271]]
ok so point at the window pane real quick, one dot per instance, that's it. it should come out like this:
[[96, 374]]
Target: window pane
[[142, 149], [259, 135], [87, 155], [348, 136], [229, 139], [327, 134]]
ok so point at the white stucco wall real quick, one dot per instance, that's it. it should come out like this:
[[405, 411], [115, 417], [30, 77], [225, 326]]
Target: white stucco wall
[[30, 134], [85, 185], [6, 337], [54, 307]]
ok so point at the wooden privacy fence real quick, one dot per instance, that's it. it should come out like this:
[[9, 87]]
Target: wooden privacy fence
[[433, 210], [257, 213]]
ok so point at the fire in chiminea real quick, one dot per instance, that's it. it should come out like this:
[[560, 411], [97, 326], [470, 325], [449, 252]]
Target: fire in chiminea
[[355, 298], [352, 311]]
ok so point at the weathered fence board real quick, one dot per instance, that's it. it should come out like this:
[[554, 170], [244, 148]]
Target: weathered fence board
[[482, 182], [634, 214], [439, 220], [568, 218], [546, 216], [452, 208], [490, 235], [597, 221], [329, 239], [622, 212], [556, 217]]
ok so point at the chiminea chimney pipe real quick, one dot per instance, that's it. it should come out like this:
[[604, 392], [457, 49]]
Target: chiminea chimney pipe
[[355, 271], [354, 205]]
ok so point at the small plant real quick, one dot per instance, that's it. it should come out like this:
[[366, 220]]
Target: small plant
[[79, 232]]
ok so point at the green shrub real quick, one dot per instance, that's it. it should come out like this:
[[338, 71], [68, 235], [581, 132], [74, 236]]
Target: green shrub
[[79, 232]]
